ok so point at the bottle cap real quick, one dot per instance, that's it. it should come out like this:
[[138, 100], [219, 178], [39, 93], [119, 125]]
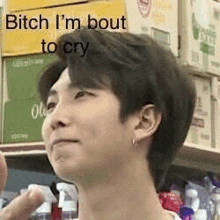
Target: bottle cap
[[192, 193]]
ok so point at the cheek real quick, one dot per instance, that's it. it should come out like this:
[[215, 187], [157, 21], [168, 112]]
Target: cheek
[[45, 131]]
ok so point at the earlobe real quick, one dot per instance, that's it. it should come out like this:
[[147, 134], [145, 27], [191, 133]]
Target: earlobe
[[149, 121]]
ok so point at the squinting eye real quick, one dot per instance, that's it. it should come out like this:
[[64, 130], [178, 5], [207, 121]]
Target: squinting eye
[[50, 105], [82, 93]]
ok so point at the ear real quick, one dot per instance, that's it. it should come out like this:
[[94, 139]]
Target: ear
[[147, 123]]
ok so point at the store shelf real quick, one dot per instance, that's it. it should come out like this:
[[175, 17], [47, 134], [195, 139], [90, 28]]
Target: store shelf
[[22, 149], [198, 157]]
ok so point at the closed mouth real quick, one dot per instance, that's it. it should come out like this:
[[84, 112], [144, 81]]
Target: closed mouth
[[62, 141]]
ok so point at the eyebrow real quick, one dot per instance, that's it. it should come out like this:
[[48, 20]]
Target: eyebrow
[[53, 92]]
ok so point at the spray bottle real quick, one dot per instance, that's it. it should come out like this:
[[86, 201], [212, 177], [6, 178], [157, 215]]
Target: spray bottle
[[67, 200], [44, 211], [216, 198]]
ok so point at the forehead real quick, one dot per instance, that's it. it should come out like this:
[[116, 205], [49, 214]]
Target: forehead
[[64, 80]]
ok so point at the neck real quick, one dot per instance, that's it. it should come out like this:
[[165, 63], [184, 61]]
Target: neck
[[128, 195]]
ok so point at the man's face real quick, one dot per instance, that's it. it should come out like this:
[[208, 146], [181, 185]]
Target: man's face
[[82, 131]]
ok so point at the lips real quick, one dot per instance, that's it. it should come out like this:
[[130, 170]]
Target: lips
[[63, 141]]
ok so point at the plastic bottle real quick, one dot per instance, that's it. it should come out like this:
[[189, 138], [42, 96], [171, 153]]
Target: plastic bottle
[[201, 214], [1, 203], [67, 200], [44, 211], [69, 210], [216, 198], [186, 213], [195, 201]]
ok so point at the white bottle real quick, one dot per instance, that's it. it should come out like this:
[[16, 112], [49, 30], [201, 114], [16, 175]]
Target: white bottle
[[1, 203], [67, 200], [195, 201], [44, 211], [201, 214], [216, 198], [69, 210]]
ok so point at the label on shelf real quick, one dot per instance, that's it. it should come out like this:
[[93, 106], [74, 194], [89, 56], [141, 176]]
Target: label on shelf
[[157, 18], [22, 121], [199, 30], [44, 26], [200, 129], [21, 74]]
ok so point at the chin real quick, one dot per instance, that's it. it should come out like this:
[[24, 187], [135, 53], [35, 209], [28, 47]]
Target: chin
[[66, 171]]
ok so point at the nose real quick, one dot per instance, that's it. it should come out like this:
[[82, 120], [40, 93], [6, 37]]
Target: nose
[[56, 124], [60, 118]]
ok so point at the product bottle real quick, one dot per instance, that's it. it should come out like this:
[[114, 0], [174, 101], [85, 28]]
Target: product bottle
[[67, 200], [216, 198], [186, 213], [1, 203], [201, 214], [69, 210], [44, 211], [195, 201]]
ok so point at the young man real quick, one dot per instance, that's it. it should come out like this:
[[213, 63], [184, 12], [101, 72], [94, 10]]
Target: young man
[[116, 116]]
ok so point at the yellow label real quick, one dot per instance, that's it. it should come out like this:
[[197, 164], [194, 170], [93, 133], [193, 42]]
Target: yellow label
[[158, 17], [15, 5], [60, 20], [163, 4]]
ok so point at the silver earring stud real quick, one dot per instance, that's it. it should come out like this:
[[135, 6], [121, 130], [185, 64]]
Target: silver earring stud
[[134, 143]]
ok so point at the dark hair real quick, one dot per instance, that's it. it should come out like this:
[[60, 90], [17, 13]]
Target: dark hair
[[139, 71]]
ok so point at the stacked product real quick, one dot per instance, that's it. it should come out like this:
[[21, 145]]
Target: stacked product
[[157, 18], [199, 30]]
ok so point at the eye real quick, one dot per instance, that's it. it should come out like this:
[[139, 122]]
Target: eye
[[83, 93], [50, 105]]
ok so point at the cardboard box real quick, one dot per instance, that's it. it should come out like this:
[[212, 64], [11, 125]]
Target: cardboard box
[[199, 30], [217, 118], [27, 41], [200, 129], [21, 5], [157, 18], [22, 121], [21, 74]]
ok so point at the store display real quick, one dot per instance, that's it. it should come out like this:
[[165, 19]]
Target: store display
[[22, 111], [200, 129], [67, 200], [199, 30], [21, 74], [197, 198], [199, 46], [216, 214], [216, 107], [22, 121], [157, 18]]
